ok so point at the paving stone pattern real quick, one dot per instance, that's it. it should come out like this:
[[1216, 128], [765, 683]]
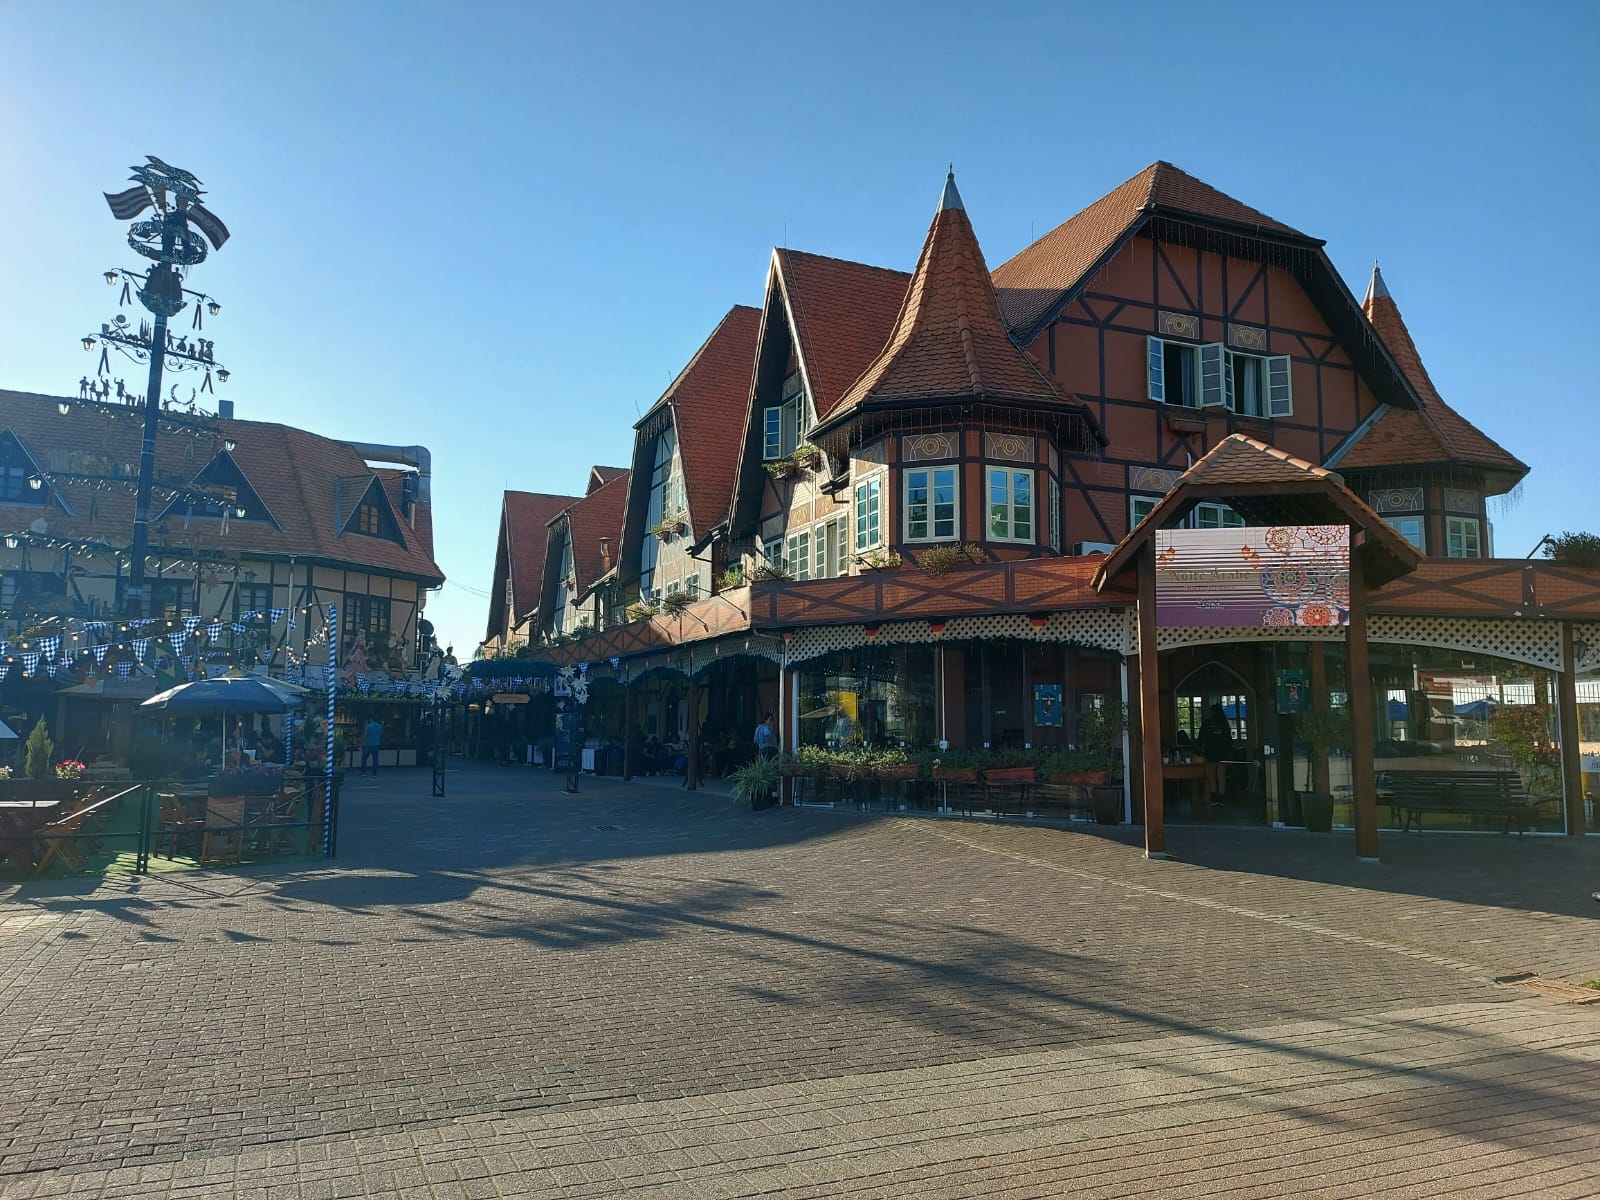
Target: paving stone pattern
[[638, 990]]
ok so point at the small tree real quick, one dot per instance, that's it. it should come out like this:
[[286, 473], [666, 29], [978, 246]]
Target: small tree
[[40, 763], [1574, 549]]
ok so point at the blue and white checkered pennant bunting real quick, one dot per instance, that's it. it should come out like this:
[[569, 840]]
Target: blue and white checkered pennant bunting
[[48, 647], [124, 668], [100, 653], [30, 661], [214, 631], [141, 647], [177, 639]]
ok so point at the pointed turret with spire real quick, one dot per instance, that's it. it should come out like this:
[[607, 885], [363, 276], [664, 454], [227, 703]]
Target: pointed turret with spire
[[949, 342], [1434, 432]]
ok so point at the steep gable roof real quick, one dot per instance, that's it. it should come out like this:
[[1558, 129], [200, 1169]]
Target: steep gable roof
[[599, 476], [598, 515], [1262, 481], [709, 400], [291, 470], [948, 340], [1434, 432], [1032, 282], [519, 554], [843, 313]]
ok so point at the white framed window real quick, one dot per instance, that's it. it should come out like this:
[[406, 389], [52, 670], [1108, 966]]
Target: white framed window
[[772, 551], [772, 433], [1055, 514], [1172, 373], [1210, 515], [827, 540], [1463, 537], [800, 554], [1412, 529], [869, 513], [1140, 507], [931, 495], [1010, 505], [785, 425], [1257, 386]]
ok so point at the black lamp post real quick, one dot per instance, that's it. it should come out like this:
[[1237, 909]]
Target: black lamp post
[[174, 238]]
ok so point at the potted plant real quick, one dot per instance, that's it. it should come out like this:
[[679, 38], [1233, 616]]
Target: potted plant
[[675, 602], [1100, 738], [879, 560], [936, 560], [756, 782], [641, 611], [1325, 729], [781, 468], [766, 572], [733, 577], [806, 456]]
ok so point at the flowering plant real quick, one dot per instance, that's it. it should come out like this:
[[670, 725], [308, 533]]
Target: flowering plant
[[69, 768], [5, 772]]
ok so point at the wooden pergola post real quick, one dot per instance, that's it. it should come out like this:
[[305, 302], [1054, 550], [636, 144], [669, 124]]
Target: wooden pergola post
[[1567, 714], [1320, 782], [630, 738], [1363, 775], [1155, 827]]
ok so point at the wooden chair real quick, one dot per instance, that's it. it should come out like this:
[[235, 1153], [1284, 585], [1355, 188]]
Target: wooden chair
[[223, 840], [67, 839], [178, 826]]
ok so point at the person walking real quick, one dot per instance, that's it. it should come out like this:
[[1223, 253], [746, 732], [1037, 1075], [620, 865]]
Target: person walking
[[370, 741], [766, 738]]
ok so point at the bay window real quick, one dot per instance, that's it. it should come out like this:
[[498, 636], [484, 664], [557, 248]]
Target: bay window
[[1010, 505]]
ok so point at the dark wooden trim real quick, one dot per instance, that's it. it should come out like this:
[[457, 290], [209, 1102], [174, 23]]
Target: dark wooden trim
[[1155, 822], [1364, 778], [1567, 707]]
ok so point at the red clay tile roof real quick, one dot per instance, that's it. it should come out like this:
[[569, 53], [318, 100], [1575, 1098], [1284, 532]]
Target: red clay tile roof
[[948, 340], [1240, 460], [524, 534], [1436, 433], [843, 314], [709, 400], [598, 515], [599, 475], [293, 471], [1035, 279]]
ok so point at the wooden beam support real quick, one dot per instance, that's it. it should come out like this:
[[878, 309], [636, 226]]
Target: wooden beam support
[[1567, 710], [630, 735], [1363, 775], [691, 769], [1155, 817], [1319, 705]]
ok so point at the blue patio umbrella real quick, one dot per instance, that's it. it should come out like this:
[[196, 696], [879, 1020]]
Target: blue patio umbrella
[[1237, 710], [1476, 710], [234, 692], [1399, 710]]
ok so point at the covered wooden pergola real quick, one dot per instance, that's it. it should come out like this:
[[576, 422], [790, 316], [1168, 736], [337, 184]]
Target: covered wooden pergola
[[1265, 486]]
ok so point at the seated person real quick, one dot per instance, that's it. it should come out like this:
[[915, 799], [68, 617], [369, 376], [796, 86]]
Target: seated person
[[652, 755], [678, 753]]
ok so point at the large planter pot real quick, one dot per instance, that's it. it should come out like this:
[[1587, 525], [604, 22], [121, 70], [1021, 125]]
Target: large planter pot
[[39, 791], [1082, 778], [1105, 800], [1009, 775], [1317, 808]]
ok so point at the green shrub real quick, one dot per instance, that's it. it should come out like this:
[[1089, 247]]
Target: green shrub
[[41, 753]]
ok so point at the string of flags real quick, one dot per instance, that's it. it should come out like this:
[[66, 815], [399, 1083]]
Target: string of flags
[[53, 654]]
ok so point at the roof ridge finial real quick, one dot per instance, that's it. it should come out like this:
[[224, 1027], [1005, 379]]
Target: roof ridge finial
[[1376, 286], [950, 197]]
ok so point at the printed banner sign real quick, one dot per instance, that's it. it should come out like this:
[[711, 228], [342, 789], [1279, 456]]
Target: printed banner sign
[[1277, 576]]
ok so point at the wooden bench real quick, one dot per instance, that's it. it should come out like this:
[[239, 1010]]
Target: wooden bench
[[1495, 794]]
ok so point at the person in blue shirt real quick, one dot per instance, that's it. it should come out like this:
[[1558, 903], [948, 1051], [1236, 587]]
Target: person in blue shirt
[[370, 741], [766, 738]]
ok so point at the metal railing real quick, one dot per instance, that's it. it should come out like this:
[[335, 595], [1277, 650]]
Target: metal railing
[[162, 819]]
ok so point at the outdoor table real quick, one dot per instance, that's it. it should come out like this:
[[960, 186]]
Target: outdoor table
[[1191, 780]]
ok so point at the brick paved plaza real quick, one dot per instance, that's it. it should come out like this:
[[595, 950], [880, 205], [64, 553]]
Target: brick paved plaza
[[641, 991]]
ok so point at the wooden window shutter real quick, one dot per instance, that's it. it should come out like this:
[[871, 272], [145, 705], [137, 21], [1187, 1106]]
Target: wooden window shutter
[[1212, 394], [1280, 399], [1157, 370]]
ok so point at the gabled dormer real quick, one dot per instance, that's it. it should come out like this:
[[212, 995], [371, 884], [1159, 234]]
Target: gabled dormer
[[223, 471], [369, 515], [23, 480]]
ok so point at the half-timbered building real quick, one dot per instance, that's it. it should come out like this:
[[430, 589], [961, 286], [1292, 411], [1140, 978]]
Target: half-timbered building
[[963, 497]]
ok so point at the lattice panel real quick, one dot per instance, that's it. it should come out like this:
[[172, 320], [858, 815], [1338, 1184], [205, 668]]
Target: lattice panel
[[1537, 643], [1102, 629], [1171, 639], [1588, 639]]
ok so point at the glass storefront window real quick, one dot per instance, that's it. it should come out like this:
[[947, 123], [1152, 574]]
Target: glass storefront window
[[874, 696]]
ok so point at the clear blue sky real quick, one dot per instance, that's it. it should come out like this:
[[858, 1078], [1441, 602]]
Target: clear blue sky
[[500, 229]]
